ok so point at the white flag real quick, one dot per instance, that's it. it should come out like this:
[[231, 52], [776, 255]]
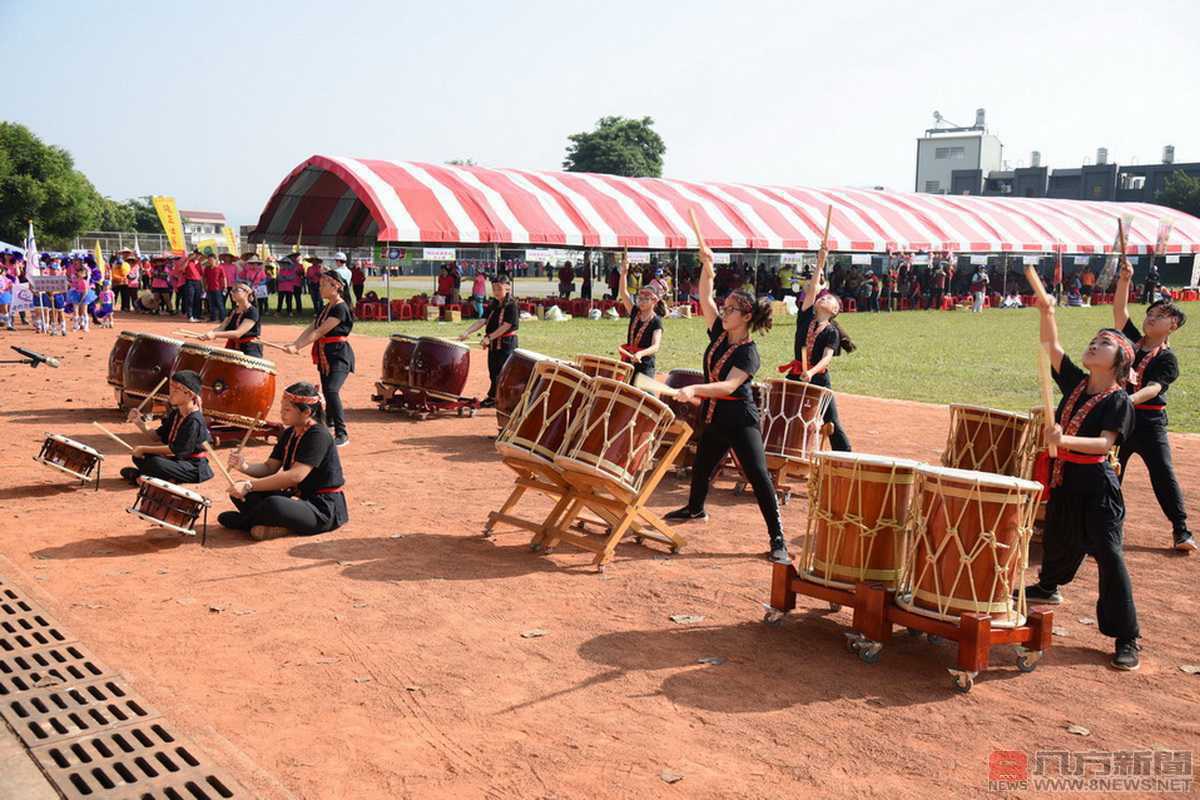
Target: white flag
[[32, 264]]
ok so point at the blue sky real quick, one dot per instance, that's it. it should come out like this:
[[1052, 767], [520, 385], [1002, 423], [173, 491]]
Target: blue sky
[[215, 102]]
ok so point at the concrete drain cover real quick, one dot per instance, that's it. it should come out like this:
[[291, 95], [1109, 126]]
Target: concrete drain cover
[[47, 667], [42, 716]]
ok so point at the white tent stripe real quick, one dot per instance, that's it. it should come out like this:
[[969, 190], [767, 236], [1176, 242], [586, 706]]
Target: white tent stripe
[[750, 216], [654, 237], [396, 215], [736, 239], [467, 232], [608, 237], [496, 202], [572, 235]]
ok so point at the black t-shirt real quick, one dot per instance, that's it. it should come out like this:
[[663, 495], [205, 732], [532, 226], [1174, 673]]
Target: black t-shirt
[[645, 340], [339, 354], [235, 320], [1113, 413], [185, 436], [1163, 370], [316, 449], [828, 339], [499, 313], [741, 411]]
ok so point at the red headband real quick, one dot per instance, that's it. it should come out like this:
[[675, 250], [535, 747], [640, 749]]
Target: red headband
[[743, 305], [301, 399], [1121, 342]]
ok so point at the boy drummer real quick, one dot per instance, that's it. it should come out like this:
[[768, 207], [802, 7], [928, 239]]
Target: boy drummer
[[181, 457]]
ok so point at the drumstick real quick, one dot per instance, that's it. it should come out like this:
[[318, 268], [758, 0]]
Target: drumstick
[[1047, 392], [250, 430], [272, 344], [649, 384], [153, 392], [823, 253], [213, 455], [700, 244], [188, 334], [1035, 283], [114, 437]]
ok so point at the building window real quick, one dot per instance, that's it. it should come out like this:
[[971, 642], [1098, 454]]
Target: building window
[[956, 153], [933, 187], [1135, 182]]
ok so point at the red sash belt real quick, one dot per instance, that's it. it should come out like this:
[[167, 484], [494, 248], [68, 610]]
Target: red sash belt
[[1149, 407], [197, 456], [627, 355], [1080, 458], [243, 340], [492, 339], [334, 490], [796, 367], [318, 352]]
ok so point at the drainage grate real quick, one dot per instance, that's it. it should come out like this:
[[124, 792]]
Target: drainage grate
[[64, 712], [34, 670], [144, 761], [14, 605], [27, 631]]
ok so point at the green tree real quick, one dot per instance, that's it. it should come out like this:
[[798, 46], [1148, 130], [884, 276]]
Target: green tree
[[618, 146], [40, 182], [1181, 192]]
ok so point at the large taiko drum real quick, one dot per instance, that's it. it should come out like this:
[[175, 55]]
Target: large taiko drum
[[601, 367], [192, 356], [792, 415], [116, 358], [397, 359], [986, 440], [968, 545], [150, 359], [687, 412], [546, 415], [510, 384], [617, 434], [440, 367], [236, 389], [858, 509]]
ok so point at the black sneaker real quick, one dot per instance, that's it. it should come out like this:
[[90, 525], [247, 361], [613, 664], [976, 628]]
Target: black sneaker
[[487, 402], [1126, 655], [341, 440], [685, 514], [1184, 541], [1034, 593], [130, 474]]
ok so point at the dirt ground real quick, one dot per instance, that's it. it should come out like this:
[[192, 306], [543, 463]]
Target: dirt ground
[[385, 660]]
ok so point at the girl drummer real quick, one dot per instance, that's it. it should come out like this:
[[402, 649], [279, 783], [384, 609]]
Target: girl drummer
[[298, 489], [241, 329], [181, 457], [331, 350], [818, 340], [499, 325], [728, 405], [645, 323], [1086, 511]]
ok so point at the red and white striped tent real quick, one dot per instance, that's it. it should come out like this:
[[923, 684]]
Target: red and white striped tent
[[340, 202]]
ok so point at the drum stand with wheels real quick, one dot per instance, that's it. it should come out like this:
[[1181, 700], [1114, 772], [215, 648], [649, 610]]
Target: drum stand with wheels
[[875, 612], [422, 403], [783, 468], [263, 433]]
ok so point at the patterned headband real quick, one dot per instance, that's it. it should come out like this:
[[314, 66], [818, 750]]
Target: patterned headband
[[1120, 341], [303, 400], [743, 304]]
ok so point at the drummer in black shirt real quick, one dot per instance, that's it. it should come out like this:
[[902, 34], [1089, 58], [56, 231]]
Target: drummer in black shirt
[[331, 350], [1155, 368], [298, 489], [500, 322], [181, 457], [241, 329], [818, 340], [645, 323], [1086, 512], [728, 406]]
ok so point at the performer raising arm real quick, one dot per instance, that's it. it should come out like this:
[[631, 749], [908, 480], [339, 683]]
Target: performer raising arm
[[298, 489], [818, 340], [331, 350], [1086, 512], [181, 457], [645, 322], [1155, 368], [241, 329], [728, 405], [500, 323]]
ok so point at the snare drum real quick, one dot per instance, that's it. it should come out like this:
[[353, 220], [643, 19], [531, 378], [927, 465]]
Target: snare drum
[[858, 508], [149, 360], [397, 359], [616, 434], [792, 413], [514, 377], [601, 367], [968, 545], [117, 356], [235, 388], [192, 355], [545, 416], [440, 367], [69, 456], [986, 439], [168, 505]]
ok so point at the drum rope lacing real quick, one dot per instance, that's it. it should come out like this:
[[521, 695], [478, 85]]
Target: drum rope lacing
[[537, 395], [811, 428], [640, 454], [961, 451]]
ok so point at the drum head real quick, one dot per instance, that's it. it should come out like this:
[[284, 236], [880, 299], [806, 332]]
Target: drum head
[[77, 445], [850, 459], [153, 337], [988, 479], [175, 489], [235, 357]]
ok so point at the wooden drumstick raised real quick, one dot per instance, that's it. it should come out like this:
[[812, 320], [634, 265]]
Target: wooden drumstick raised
[[701, 245], [1035, 283], [246, 437], [823, 253], [272, 344], [1047, 392], [658, 387], [114, 437], [153, 392], [220, 465]]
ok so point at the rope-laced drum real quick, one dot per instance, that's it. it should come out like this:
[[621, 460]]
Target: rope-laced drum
[[617, 434], [545, 416], [968, 545], [792, 413], [511, 382], [236, 389], [858, 512], [168, 505], [601, 367], [986, 440], [69, 456]]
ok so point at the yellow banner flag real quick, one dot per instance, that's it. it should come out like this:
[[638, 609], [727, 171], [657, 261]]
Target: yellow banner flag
[[299, 239], [168, 215], [232, 239], [100, 259], [204, 245]]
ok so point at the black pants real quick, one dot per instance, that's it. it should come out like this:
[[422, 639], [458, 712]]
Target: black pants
[[746, 443], [497, 356], [1149, 440], [216, 305], [279, 299], [838, 440], [331, 387], [263, 305], [1079, 525], [127, 295], [174, 470], [314, 291], [193, 299], [276, 509], [298, 297], [358, 292]]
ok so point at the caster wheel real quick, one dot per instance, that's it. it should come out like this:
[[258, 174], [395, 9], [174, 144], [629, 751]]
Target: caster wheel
[[535, 548], [962, 682], [639, 539], [835, 607], [1026, 664], [471, 413], [674, 549], [460, 412], [912, 633], [739, 488], [785, 498], [869, 655], [934, 638], [773, 617]]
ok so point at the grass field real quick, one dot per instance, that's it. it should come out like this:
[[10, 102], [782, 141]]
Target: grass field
[[932, 356]]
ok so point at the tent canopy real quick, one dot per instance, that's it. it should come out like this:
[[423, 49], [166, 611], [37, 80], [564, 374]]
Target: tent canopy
[[344, 202]]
